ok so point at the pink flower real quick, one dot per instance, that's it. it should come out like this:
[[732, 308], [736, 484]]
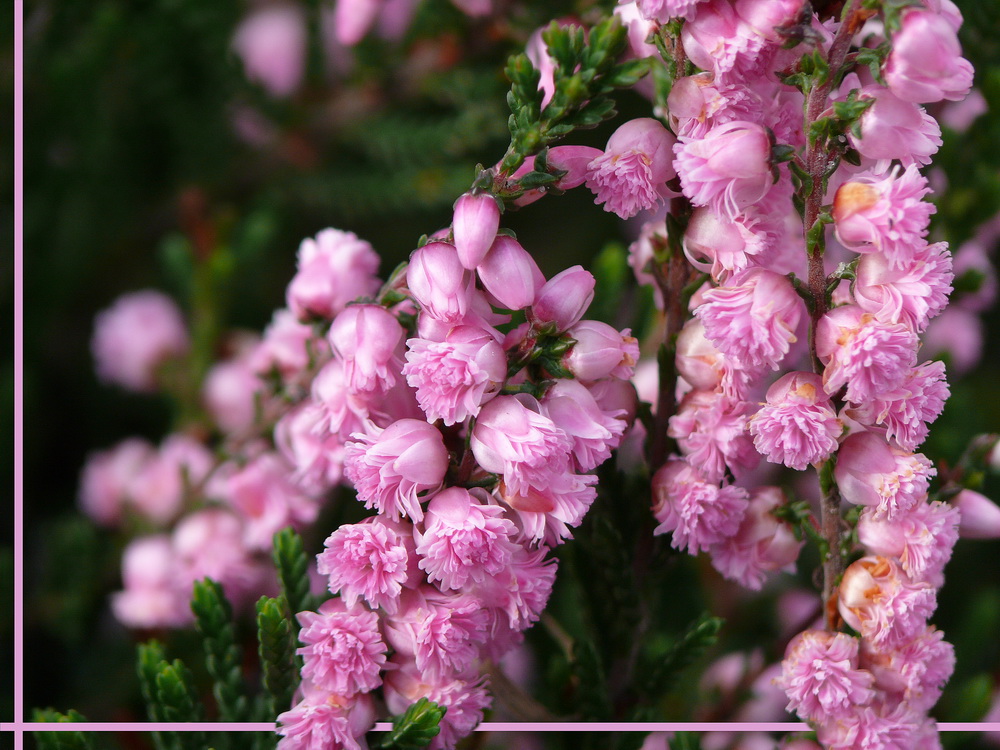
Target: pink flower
[[523, 589], [463, 539], [711, 431], [108, 476], [631, 175], [343, 650], [575, 411], [135, 336], [151, 598], [509, 274], [917, 672], [699, 102], [368, 339], [728, 169], [477, 218], [876, 726], [442, 632], [761, 545], [372, 560], [665, 10], [926, 63], [394, 467], [720, 246], [547, 512], [905, 411], [302, 437], [272, 44], [753, 318], [288, 347], [890, 481], [439, 282], [821, 677], [520, 443], [894, 129], [333, 270], [881, 602], [159, 489], [980, 515], [922, 539], [699, 513], [912, 293], [454, 377], [701, 364], [797, 426], [600, 351], [353, 19], [231, 392], [886, 214], [563, 300], [718, 40], [321, 721], [766, 18], [868, 356], [958, 334]]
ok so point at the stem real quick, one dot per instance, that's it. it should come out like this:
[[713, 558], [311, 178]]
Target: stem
[[817, 161]]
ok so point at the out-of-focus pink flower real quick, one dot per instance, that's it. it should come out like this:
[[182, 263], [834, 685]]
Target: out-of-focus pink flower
[[711, 431], [699, 514], [509, 273], [960, 115], [463, 539], [886, 214], [797, 426], [879, 600], [324, 720], [888, 480], [980, 516], [601, 351], [393, 467], [728, 169], [333, 269], [877, 725], [564, 299], [353, 19], [369, 341], [151, 598], [821, 677], [181, 463], [454, 377], [912, 293], [133, 337], [870, 357], [631, 175], [230, 392], [342, 650], [302, 437], [753, 318], [439, 283], [475, 224], [271, 41], [926, 63], [372, 560], [894, 129], [288, 347], [922, 539], [108, 477]]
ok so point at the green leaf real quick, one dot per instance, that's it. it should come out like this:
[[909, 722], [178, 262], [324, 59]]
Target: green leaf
[[223, 658], [664, 668], [61, 740], [416, 727], [592, 700], [277, 655], [685, 741], [178, 701], [292, 562]]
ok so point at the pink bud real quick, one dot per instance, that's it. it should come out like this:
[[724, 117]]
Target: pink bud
[[600, 351], [368, 339], [564, 298], [572, 160], [439, 282], [510, 274], [980, 516], [926, 63], [475, 224]]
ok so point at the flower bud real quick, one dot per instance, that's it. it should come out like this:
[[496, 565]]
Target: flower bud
[[564, 298], [439, 282], [510, 274], [600, 351], [475, 224], [980, 516]]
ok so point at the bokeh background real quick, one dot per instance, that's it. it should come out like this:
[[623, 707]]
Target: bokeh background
[[146, 142]]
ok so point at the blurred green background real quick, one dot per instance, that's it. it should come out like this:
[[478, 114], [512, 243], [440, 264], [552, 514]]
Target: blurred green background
[[133, 115]]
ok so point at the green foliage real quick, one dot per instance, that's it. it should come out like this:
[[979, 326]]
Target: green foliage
[[292, 562], [592, 700], [223, 657], [169, 693], [685, 741], [663, 669], [415, 728], [61, 740], [277, 655]]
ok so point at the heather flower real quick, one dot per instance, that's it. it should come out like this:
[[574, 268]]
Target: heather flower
[[720, 246], [564, 298], [753, 318], [728, 169], [463, 539], [343, 650], [158, 489], [916, 672], [151, 598], [107, 478], [135, 336], [454, 377], [718, 40], [821, 677], [288, 347], [766, 18], [905, 411], [875, 726], [271, 42], [439, 282], [797, 426], [711, 431], [368, 339], [921, 539], [334, 269], [980, 516], [600, 351], [894, 129], [699, 102], [880, 601], [353, 19], [393, 468], [702, 365], [925, 64], [231, 393], [316, 455], [546, 513], [912, 293], [698, 513], [886, 214], [631, 175], [475, 224], [520, 443], [665, 10], [574, 410], [509, 274], [320, 721], [870, 357], [372, 560], [523, 589], [888, 480]]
